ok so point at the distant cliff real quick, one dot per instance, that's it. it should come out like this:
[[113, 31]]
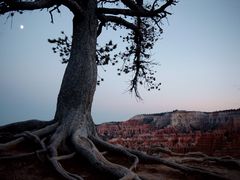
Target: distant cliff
[[214, 133]]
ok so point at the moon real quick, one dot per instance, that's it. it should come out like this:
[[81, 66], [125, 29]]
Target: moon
[[21, 26]]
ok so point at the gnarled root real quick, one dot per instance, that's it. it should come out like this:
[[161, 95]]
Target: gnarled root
[[58, 167], [186, 169], [116, 150], [51, 138], [229, 163], [30, 125], [40, 132], [23, 155], [145, 158], [198, 157], [87, 149]]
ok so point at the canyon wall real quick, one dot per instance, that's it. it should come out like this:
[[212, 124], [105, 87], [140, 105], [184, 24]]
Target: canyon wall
[[214, 133]]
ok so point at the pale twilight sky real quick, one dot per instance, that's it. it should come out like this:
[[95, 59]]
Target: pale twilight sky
[[199, 57]]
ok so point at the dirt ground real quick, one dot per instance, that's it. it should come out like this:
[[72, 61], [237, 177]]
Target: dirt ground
[[36, 168]]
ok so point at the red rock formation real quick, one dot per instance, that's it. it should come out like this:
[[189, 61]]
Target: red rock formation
[[215, 133]]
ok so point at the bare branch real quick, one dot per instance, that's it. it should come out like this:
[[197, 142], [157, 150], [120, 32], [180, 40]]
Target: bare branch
[[121, 21], [131, 4], [164, 6], [53, 9], [136, 10], [73, 6], [13, 5], [108, 1], [100, 26], [116, 11]]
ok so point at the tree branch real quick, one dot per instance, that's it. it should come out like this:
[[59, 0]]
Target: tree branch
[[164, 6], [73, 6], [131, 4], [13, 5], [120, 21], [136, 10], [107, 1], [116, 11]]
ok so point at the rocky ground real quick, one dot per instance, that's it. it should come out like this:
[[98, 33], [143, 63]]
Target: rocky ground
[[168, 135], [215, 133], [35, 168]]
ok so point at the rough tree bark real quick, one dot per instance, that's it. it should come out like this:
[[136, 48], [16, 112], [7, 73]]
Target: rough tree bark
[[73, 122], [79, 82], [76, 95]]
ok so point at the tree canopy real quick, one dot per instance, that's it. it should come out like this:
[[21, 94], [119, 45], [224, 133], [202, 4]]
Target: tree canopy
[[142, 20]]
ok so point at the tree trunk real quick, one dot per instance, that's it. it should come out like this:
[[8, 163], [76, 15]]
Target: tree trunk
[[80, 78]]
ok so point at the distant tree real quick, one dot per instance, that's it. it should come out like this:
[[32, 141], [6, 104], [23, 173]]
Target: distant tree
[[73, 130]]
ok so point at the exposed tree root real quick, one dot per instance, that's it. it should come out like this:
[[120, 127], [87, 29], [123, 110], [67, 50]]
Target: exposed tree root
[[10, 144], [19, 127], [51, 137], [64, 157], [228, 161], [153, 160], [116, 150], [87, 149], [62, 172], [34, 138], [145, 158], [23, 155], [40, 132]]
